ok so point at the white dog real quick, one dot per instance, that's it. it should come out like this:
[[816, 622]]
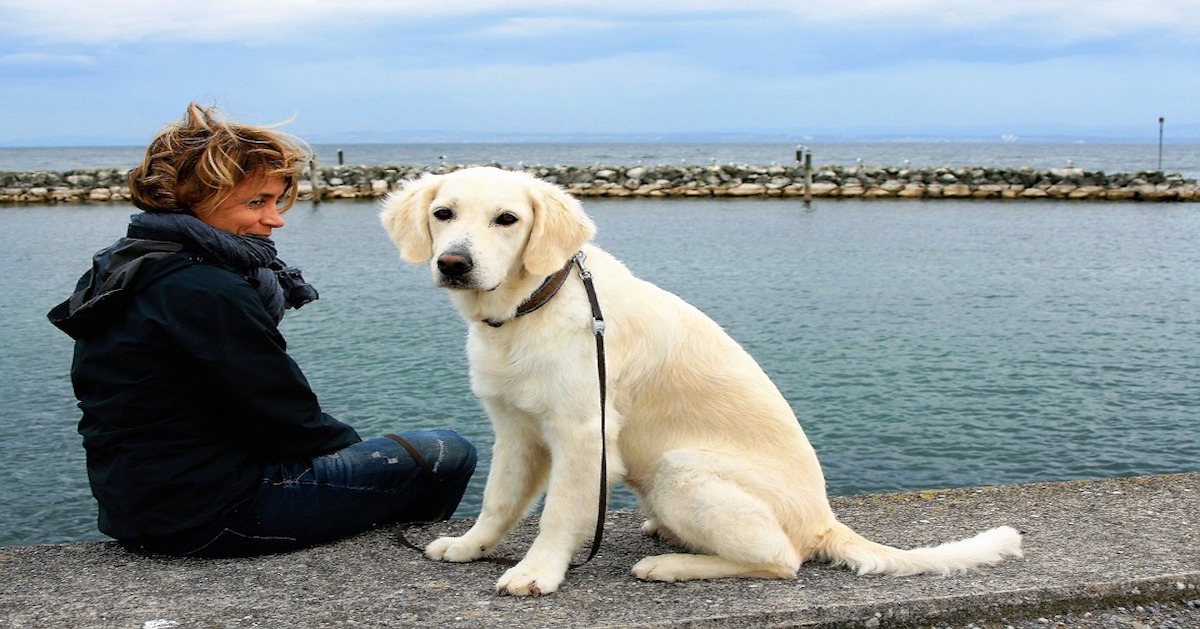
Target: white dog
[[697, 430]]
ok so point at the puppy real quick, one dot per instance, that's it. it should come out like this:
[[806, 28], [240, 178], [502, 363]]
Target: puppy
[[695, 428]]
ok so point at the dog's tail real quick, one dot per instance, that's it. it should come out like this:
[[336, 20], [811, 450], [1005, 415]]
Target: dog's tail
[[843, 546]]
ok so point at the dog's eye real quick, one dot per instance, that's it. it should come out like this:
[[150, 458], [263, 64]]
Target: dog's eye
[[504, 219], [443, 214]]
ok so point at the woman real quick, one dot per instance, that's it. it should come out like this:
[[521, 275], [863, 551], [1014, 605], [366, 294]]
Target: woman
[[203, 437]]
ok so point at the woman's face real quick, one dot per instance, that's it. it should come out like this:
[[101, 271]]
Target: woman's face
[[251, 209]]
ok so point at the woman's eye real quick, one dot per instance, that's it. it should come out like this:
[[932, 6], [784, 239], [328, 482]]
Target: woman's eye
[[443, 214], [506, 218]]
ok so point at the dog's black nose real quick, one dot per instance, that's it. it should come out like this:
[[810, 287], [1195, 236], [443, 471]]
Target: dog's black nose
[[455, 264]]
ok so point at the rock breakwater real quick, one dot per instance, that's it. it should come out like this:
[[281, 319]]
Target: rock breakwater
[[715, 180]]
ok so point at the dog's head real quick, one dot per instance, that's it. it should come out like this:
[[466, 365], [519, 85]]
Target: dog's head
[[477, 227]]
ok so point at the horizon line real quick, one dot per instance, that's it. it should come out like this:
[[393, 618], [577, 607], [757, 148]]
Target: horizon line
[[733, 137]]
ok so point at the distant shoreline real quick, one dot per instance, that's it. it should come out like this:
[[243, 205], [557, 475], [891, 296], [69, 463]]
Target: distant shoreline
[[713, 180]]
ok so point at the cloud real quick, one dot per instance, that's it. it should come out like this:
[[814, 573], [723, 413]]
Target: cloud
[[606, 66], [125, 21], [46, 61], [1071, 17], [523, 27], [19, 68]]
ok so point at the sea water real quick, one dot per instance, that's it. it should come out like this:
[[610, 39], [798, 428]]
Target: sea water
[[922, 344]]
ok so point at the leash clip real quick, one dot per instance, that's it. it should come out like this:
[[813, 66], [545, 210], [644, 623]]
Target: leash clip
[[579, 258], [586, 276]]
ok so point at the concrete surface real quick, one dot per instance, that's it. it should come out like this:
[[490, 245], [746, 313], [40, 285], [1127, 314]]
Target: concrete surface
[[1115, 552]]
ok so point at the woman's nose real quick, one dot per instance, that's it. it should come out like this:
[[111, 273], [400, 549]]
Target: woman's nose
[[273, 218]]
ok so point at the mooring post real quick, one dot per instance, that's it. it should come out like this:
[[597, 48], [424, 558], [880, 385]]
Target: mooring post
[[312, 179], [808, 179], [1161, 120], [804, 156]]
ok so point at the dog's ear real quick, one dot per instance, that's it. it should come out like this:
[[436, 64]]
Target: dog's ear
[[405, 216], [560, 228]]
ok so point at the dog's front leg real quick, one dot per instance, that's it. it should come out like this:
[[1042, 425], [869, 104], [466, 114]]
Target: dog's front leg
[[517, 474], [570, 512]]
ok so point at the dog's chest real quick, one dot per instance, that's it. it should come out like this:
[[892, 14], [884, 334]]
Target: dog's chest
[[528, 369]]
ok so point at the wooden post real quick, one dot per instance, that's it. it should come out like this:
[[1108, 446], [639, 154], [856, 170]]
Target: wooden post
[[804, 157], [1161, 120], [312, 179], [807, 178]]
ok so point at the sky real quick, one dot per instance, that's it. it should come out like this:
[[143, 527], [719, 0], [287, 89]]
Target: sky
[[91, 72]]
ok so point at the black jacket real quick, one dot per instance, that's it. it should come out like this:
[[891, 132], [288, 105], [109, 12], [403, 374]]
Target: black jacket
[[186, 389]]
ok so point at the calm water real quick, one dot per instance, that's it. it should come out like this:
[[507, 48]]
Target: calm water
[[922, 344]]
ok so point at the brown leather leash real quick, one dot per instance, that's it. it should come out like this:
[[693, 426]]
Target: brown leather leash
[[598, 332], [543, 295]]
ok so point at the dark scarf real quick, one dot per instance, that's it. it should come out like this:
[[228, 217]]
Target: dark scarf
[[280, 286]]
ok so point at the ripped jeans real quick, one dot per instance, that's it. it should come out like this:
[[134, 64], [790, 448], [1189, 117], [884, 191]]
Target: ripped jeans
[[364, 485]]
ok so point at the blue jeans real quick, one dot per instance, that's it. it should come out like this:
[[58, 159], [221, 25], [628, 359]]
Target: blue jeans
[[306, 502]]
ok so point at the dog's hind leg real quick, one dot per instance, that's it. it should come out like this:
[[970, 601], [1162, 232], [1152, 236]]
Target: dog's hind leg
[[697, 497]]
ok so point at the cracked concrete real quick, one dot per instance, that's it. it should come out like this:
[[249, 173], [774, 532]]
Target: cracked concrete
[[1089, 546]]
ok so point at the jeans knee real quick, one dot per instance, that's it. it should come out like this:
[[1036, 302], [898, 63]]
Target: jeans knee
[[460, 456], [452, 457]]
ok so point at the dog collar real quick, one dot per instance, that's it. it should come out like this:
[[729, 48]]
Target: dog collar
[[541, 296]]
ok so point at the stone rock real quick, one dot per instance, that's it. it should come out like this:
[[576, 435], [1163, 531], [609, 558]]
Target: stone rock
[[747, 189], [823, 189], [734, 180]]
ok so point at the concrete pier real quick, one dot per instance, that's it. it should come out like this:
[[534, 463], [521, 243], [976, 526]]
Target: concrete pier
[[1099, 553]]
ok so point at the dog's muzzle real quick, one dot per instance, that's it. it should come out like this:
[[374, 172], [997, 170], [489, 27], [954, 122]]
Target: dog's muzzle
[[454, 269]]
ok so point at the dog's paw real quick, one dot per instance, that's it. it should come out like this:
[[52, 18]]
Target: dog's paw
[[669, 568], [526, 579], [455, 549]]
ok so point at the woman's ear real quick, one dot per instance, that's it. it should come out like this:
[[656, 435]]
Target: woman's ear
[[560, 228], [405, 216]]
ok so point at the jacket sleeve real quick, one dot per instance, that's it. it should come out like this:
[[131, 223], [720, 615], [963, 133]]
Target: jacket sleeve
[[218, 320]]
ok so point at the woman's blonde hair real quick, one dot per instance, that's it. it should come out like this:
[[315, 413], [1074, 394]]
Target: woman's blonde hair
[[193, 165]]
